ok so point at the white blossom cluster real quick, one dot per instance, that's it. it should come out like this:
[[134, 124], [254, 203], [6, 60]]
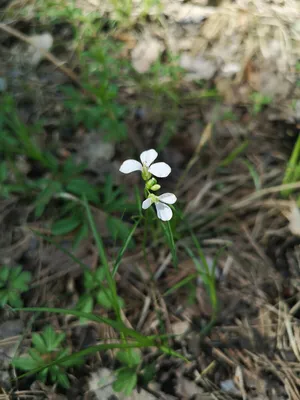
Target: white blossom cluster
[[148, 170]]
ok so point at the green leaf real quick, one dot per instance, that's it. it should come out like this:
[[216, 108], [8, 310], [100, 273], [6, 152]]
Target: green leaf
[[54, 372], [74, 361], [42, 375], [104, 298], [86, 303], [65, 225], [4, 273], [50, 162], [3, 298], [25, 363], [35, 355], [15, 272], [70, 168], [81, 234], [149, 373], [63, 380], [89, 280], [25, 276], [49, 337], [14, 299], [117, 228], [81, 187], [39, 343], [126, 381], [129, 357], [21, 282], [100, 274], [82, 353], [45, 196], [60, 337], [3, 172]]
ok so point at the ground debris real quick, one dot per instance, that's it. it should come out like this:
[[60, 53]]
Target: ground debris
[[100, 385], [146, 53]]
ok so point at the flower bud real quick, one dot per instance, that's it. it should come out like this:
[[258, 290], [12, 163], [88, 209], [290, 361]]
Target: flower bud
[[156, 187], [152, 182]]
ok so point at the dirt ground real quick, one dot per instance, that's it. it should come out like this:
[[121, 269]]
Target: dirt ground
[[232, 103]]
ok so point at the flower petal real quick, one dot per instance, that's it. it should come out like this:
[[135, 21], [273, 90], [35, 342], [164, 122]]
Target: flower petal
[[130, 166], [168, 198], [160, 169], [146, 203], [164, 212], [147, 157]]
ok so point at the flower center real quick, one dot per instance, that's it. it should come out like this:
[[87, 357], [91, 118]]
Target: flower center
[[145, 173], [154, 199]]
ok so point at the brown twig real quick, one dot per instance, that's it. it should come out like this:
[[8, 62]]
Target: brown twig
[[50, 57]]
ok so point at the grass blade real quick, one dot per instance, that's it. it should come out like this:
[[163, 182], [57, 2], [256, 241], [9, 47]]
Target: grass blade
[[124, 248], [119, 326], [102, 254], [292, 172], [234, 154], [180, 284], [167, 230]]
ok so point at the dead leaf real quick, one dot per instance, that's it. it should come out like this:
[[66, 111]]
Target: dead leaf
[[95, 151], [180, 327], [146, 53], [41, 43], [187, 388], [198, 67], [187, 13], [127, 38], [100, 383]]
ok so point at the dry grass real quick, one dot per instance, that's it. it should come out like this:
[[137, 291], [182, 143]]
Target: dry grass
[[255, 342], [240, 31]]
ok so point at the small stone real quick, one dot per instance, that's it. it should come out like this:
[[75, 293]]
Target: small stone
[[229, 387]]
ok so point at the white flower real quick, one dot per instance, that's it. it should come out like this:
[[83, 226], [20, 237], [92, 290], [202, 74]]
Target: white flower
[[164, 212], [146, 166]]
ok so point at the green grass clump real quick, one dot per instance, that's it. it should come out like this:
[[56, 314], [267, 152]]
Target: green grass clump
[[259, 101], [96, 291], [98, 107], [46, 348], [13, 282]]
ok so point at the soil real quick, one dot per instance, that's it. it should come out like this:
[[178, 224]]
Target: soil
[[251, 351]]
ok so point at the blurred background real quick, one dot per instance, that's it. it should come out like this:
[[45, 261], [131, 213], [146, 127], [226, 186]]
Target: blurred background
[[214, 87]]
